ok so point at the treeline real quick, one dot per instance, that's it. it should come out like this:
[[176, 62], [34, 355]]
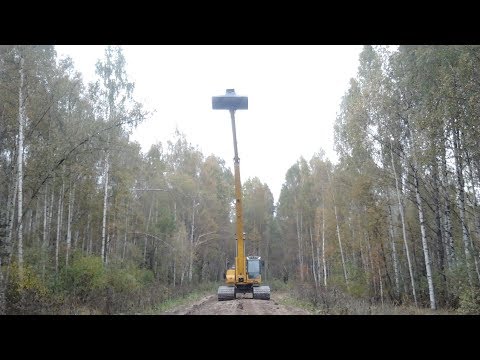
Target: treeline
[[88, 221], [397, 218]]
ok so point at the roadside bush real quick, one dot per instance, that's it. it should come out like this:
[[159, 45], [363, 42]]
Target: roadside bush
[[469, 301], [27, 295], [85, 279], [277, 285]]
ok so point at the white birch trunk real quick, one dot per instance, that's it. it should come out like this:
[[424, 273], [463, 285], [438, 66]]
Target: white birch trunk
[[461, 203], [59, 223], [2, 283], [404, 231], [371, 268], [323, 248], [89, 234], [105, 202], [84, 237], [449, 246], [319, 262], [3, 236], [21, 124], [314, 269], [190, 258], [381, 285], [146, 238], [11, 216], [421, 218], [126, 232], [174, 270], [75, 240], [50, 213], [32, 227], [317, 245], [45, 216], [475, 215], [71, 199], [266, 235], [394, 253], [106, 247], [340, 244], [300, 248], [35, 223], [45, 232]]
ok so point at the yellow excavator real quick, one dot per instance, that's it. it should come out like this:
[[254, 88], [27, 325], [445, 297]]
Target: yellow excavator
[[245, 275]]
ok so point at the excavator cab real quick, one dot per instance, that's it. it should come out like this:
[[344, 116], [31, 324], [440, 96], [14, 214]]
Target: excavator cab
[[254, 267]]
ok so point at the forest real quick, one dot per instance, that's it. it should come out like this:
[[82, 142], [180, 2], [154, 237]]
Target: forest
[[91, 224]]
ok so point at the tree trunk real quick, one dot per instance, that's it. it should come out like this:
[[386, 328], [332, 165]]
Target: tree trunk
[[50, 213], [107, 242], [174, 269], [461, 202], [34, 223], [71, 199], [84, 242], [3, 236], [475, 213], [12, 199], [340, 244], [2, 280], [105, 203], [113, 234], [394, 253], [89, 234], [363, 255], [21, 124], [314, 268], [371, 267], [267, 251], [146, 238], [381, 284], [323, 248], [126, 232], [45, 232], [449, 246], [317, 244], [421, 218], [135, 231], [190, 258], [404, 230], [59, 223], [438, 220], [300, 247], [75, 240]]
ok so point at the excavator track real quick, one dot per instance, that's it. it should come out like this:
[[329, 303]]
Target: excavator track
[[226, 293], [261, 292]]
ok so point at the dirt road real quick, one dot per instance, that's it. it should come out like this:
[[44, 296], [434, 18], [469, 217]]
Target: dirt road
[[209, 305]]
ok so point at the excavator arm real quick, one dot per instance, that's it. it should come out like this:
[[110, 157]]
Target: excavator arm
[[245, 277]]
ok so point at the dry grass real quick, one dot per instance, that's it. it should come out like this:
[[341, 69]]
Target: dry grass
[[336, 302]]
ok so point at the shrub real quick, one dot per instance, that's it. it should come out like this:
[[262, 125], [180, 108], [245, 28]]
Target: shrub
[[469, 301], [84, 278], [26, 295]]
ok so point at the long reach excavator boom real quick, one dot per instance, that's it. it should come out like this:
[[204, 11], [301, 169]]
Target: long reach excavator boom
[[245, 276]]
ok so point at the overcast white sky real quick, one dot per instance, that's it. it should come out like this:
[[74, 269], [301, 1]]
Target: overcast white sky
[[294, 93]]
